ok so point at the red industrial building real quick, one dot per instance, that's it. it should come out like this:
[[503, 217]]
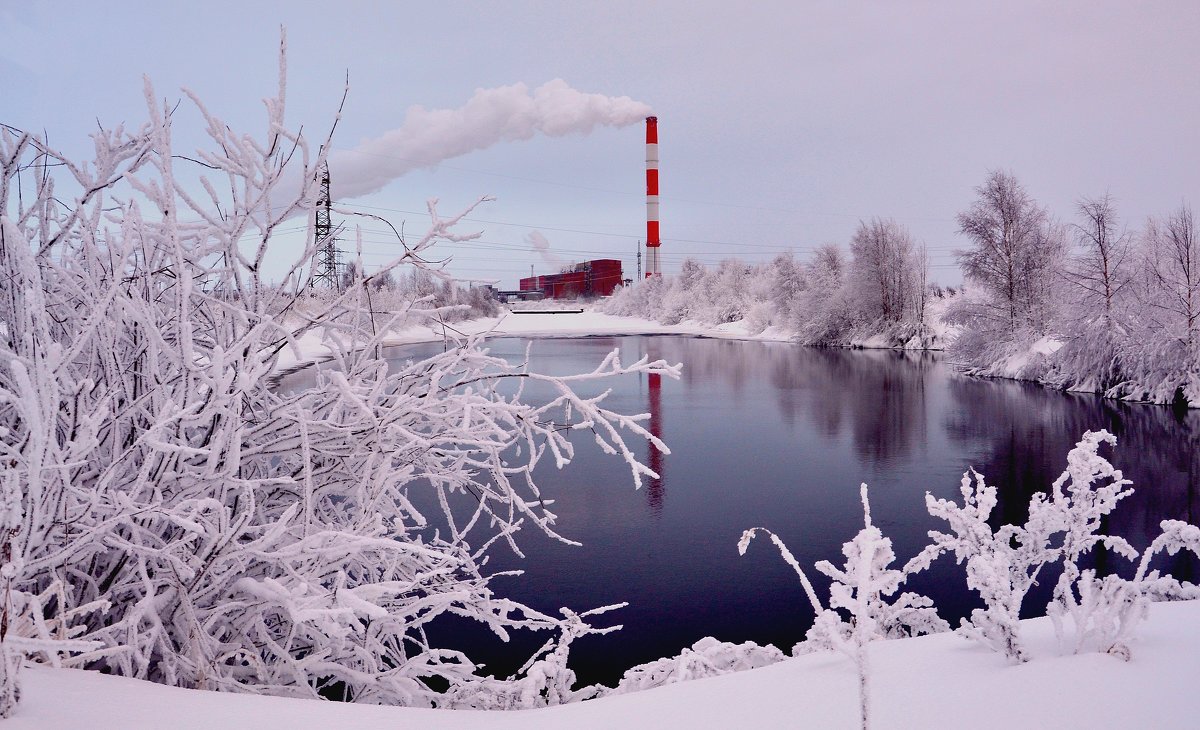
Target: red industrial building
[[596, 278]]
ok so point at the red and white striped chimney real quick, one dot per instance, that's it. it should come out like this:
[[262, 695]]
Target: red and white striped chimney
[[653, 266]]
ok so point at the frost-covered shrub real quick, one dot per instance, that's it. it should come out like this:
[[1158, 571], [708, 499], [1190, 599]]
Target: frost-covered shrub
[[542, 681], [1104, 612], [858, 612], [1063, 526], [1001, 566], [759, 317], [424, 296], [167, 513], [708, 657], [676, 305], [641, 299]]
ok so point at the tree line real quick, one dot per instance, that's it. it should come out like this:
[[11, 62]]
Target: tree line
[[1121, 305], [1086, 304]]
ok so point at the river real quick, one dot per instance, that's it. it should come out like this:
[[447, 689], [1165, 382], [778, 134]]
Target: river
[[780, 436]]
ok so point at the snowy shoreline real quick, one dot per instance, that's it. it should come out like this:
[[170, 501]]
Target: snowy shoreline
[[939, 681], [593, 323], [588, 323]]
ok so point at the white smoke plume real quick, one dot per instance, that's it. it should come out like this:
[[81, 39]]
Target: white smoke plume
[[503, 114], [542, 246]]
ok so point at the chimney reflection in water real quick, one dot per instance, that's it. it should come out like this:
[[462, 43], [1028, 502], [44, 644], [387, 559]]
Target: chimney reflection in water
[[654, 490]]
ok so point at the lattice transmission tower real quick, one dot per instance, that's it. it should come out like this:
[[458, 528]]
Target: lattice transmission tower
[[328, 265]]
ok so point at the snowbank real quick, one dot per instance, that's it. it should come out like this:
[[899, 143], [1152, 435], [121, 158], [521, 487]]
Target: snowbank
[[939, 681], [1020, 361], [588, 323]]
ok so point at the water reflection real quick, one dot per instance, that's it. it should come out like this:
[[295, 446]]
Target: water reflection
[[655, 458], [879, 396], [1021, 435]]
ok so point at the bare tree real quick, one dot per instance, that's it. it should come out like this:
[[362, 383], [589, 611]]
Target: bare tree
[[1173, 272], [923, 286], [1015, 251], [352, 274], [1101, 269], [383, 280], [884, 269]]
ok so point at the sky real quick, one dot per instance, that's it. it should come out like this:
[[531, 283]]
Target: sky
[[782, 124]]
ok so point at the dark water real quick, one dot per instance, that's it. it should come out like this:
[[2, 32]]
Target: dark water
[[780, 436]]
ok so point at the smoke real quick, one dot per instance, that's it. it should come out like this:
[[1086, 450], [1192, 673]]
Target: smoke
[[542, 246], [503, 114]]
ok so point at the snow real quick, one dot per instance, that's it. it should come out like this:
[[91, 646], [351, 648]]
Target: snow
[[554, 322], [1024, 362], [554, 318], [940, 681], [536, 323], [1046, 346]]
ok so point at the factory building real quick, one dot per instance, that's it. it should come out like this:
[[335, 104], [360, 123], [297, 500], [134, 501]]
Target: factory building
[[596, 278]]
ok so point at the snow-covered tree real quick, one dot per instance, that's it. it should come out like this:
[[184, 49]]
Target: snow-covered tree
[[1101, 267], [1098, 322], [1172, 254]]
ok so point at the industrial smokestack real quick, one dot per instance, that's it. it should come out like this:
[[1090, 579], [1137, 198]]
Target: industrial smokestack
[[653, 267]]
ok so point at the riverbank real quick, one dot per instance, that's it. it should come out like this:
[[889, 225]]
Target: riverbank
[[940, 681], [534, 323], [1027, 363], [588, 321]]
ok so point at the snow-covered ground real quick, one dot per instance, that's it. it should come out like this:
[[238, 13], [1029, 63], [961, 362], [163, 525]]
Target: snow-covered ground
[[940, 681], [537, 324], [562, 319], [1024, 363]]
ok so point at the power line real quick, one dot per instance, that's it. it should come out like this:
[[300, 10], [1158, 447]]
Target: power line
[[480, 243], [573, 230], [380, 231]]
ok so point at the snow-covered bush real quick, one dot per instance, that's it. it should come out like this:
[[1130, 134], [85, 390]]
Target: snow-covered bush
[[542, 681], [1063, 526], [168, 514], [1002, 565], [858, 612], [708, 657], [425, 296]]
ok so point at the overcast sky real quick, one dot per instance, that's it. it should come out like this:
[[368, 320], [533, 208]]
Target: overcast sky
[[781, 124]]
